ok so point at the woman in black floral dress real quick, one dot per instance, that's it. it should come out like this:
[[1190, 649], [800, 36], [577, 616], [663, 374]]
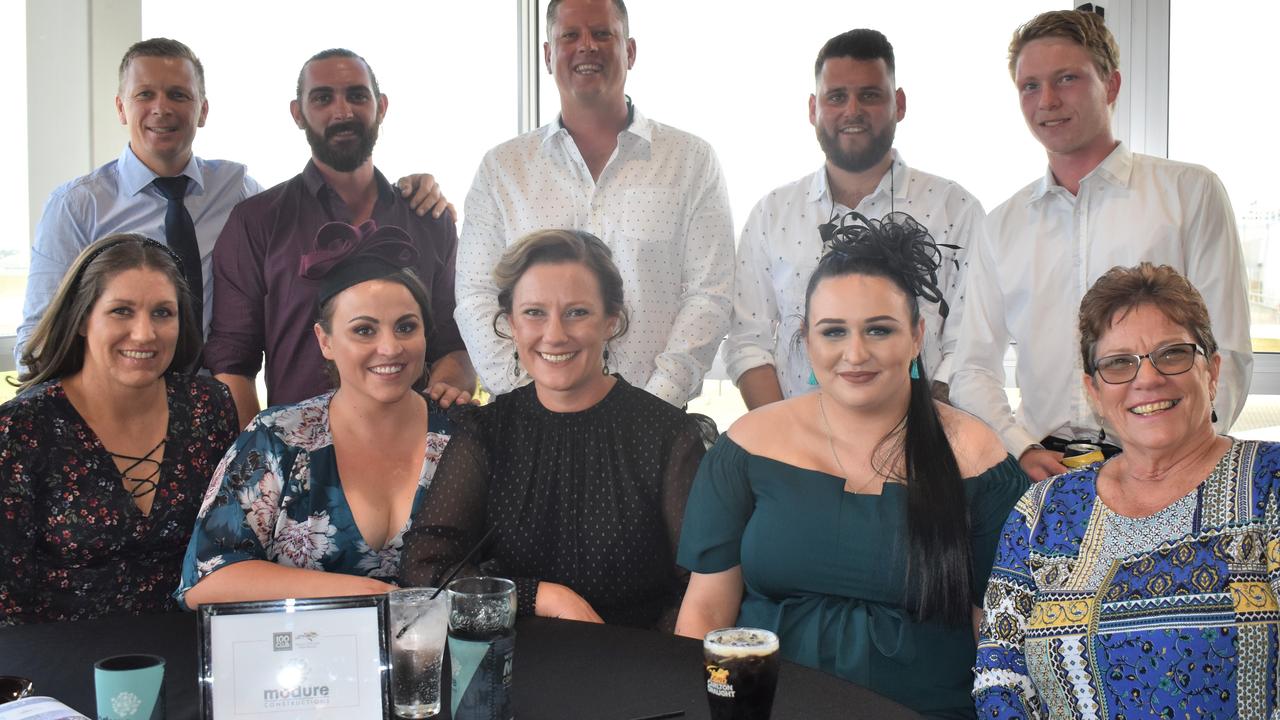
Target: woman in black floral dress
[[105, 453]]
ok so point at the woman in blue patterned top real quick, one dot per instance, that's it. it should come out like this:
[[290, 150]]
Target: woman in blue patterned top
[[1144, 586], [314, 498]]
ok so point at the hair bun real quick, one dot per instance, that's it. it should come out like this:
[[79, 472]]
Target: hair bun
[[898, 242]]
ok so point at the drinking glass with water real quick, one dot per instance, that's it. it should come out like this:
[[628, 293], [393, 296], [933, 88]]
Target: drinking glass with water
[[418, 625]]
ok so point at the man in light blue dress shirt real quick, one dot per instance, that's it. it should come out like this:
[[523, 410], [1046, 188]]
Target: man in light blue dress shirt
[[162, 102]]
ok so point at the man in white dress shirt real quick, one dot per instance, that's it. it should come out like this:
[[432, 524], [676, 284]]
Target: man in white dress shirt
[[1099, 205], [653, 194], [854, 110]]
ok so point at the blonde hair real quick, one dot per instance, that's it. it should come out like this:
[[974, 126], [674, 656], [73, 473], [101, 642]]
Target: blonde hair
[[1086, 29]]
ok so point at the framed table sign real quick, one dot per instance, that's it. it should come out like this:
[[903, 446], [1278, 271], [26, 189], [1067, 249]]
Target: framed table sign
[[312, 659]]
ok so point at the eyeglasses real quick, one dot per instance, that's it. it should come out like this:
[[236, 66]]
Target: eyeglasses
[[1172, 359]]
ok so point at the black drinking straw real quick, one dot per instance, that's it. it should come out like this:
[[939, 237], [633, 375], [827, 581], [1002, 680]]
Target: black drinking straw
[[456, 568]]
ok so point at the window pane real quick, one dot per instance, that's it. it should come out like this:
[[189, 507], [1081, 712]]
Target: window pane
[[15, 253], [1233, 135], [448, 102]]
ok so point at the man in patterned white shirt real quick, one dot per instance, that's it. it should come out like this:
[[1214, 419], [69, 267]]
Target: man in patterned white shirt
[[1098, 206], [854, 111], [653, 194]]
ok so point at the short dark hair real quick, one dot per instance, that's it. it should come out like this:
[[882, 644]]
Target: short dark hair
[[1085, 28], [56, 348], [162, 48], [859, 44], [1122, 289], [560, 246], [339, 53], [553, 8]]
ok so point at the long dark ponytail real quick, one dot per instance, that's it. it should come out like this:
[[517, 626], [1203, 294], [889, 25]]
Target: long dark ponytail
[[940, 563]]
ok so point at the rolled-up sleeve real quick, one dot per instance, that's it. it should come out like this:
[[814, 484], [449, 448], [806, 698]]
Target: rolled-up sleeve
[[756, 315], [236, 336], [481, 247], [60, 236], [706, 300]]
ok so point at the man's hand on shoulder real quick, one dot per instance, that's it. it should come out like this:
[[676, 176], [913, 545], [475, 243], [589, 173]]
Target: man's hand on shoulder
[[1040, 463], [423, 193], [447, 395]]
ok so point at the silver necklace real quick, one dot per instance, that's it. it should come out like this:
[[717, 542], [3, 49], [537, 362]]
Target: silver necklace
[[831, 443]]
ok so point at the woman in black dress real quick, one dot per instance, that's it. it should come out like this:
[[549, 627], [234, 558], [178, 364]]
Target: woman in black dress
[[106, 450], [581, 476]]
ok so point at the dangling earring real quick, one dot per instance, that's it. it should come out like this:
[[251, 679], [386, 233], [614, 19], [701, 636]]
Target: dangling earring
[[1213, 413], [605, 369], [1102, 434], [813, 379], [915, 370], [515, 371]]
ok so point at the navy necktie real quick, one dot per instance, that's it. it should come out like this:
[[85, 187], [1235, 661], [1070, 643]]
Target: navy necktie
[[180, 232]]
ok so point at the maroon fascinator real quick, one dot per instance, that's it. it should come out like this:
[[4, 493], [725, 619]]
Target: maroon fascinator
[[346, 255]]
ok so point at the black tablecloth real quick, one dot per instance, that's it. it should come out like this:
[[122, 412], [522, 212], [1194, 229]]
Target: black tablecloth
[[563, 670]]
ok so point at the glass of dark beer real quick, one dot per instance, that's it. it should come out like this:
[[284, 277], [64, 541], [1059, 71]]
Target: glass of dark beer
[[741, 671]]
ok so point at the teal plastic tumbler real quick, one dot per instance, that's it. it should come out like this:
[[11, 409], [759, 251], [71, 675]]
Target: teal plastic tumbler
[[130, 687]]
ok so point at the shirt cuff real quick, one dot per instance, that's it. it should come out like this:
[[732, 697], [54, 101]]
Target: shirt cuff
[[663, 388], [1017, 440], [744, 359], [942, 373], [526, 596], [223, 358]]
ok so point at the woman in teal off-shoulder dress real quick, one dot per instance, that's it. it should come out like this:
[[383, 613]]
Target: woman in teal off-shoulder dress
[[858, 522]]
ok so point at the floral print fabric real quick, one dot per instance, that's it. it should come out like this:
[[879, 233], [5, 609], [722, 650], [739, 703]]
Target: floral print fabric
[[1090, 614], [277, 496], [75, 546]]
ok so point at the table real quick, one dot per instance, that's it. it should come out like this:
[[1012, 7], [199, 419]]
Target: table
[[564, 670]]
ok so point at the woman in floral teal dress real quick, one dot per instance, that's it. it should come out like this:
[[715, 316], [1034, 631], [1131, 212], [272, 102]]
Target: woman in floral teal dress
[[1144, 586], [314, 498]]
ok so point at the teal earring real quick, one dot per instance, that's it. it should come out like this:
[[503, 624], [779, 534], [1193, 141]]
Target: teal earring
[[915, 370], [813, 379]]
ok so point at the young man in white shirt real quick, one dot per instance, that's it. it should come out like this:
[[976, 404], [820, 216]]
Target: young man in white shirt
[[653, 194], [854, 110], [1098, 205]]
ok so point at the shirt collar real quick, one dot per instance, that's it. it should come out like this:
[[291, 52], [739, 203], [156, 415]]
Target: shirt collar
[[897, 178], [1114, 169], [135, 176], [637, 125], [314, 182]]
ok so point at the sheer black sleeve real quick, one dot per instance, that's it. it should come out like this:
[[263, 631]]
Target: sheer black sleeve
[[452, 518], [687, 450]]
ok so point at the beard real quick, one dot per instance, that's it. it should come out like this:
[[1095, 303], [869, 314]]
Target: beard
[[348, 156], [855, 162]]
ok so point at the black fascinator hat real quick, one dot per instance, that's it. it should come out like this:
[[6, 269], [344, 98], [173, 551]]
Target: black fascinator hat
[[896, 245]]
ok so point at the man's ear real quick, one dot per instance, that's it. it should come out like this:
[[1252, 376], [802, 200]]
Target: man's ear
[[1113, 87]]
